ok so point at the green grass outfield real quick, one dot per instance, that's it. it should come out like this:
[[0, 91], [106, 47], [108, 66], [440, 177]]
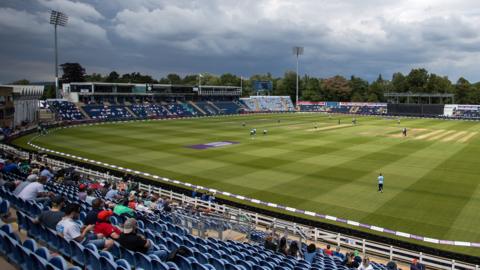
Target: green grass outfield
[[431, 176]]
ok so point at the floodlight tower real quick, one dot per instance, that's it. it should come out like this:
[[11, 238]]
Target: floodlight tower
[[57, 19], [297, 51]]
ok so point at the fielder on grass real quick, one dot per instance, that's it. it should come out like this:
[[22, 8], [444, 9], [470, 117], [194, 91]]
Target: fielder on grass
[[380, 183]]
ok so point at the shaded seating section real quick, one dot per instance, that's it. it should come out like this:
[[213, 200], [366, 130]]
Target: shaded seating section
[[105, 112], [148, 110], [228, 107], [207, 108], [66, 110]]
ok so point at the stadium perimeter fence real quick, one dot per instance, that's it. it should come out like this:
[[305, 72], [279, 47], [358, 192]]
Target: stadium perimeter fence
[[303, 232]]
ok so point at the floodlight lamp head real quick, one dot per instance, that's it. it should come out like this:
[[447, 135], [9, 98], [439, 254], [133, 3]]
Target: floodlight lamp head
[[297, 50], [58, 18]]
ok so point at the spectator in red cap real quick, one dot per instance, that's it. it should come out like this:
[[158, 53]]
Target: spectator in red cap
[[104, 227], [82, 192]]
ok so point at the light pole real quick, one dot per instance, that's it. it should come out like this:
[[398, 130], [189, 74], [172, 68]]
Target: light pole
[[297, 51], [57, 19], [241, 85], [200, 83]]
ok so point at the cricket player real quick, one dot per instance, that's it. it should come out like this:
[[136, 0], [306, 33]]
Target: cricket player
[[404, 132], [380, 183]]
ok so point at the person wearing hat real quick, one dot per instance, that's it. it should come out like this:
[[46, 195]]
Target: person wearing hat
[[391, 265], [104, 227], [50, 218], [130, 240]]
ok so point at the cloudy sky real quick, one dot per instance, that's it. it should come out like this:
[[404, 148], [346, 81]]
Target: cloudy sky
[[363, 38]]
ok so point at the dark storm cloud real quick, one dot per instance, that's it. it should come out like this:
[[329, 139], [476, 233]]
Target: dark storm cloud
[[363, 38]]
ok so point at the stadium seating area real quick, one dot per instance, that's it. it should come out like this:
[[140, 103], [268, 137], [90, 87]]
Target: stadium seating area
[[45, 249], [268, 103], [207, 108], [65, 110], [147, 110], [344, 107], [105, 112], [228, 107]]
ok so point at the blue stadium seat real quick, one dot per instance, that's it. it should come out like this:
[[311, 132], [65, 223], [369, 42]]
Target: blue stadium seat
[[92, 258], [57, 263], [123, 264], [77, 255]]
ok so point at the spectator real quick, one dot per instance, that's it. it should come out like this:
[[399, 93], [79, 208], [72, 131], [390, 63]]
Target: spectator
[[328, 251], [112, 194], [20, 185], [416, 265], [391, 265], [123, 210], [309, 256], [339, 254], [51, 217], [104, 227], [282, 247], [293, 250], [365, 265], [33, 176], [269, 243], [130, 240], [82, 194], [47, 173], [70, 230], [92, 215], [357, 257], [89, 199], [350, 261], [10, 167], [35, 191]]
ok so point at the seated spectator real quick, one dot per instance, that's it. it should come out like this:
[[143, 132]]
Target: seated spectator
[[130, 240], [391, 265], [51, 217], [71, 231], [357, 257], [92, 215], [269, 243], [122, 209], [328, 251], [294, 250], [10, 167], [45, 171], [339, 254], [112, 194], [35, 191], [90, 197], [416, 265], [104, 227], [82, 194], [309, 256], [33, 176], [365, 265], [350, 261], [20, 185], [282, 246]]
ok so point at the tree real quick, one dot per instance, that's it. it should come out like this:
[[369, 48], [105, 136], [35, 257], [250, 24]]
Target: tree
[[438, 84], [21, 82], [229, 79], [399, 83], [191, 79], [72, 72], [417, 80], [94, 77], [287, 85], [377, 89], [49, 92], [174, 78], [337, 88], [113, 77], [359, 88], [462, 91], [312, 91]]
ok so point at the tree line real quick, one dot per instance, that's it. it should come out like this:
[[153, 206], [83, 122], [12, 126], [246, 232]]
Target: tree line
[[336, 88]]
